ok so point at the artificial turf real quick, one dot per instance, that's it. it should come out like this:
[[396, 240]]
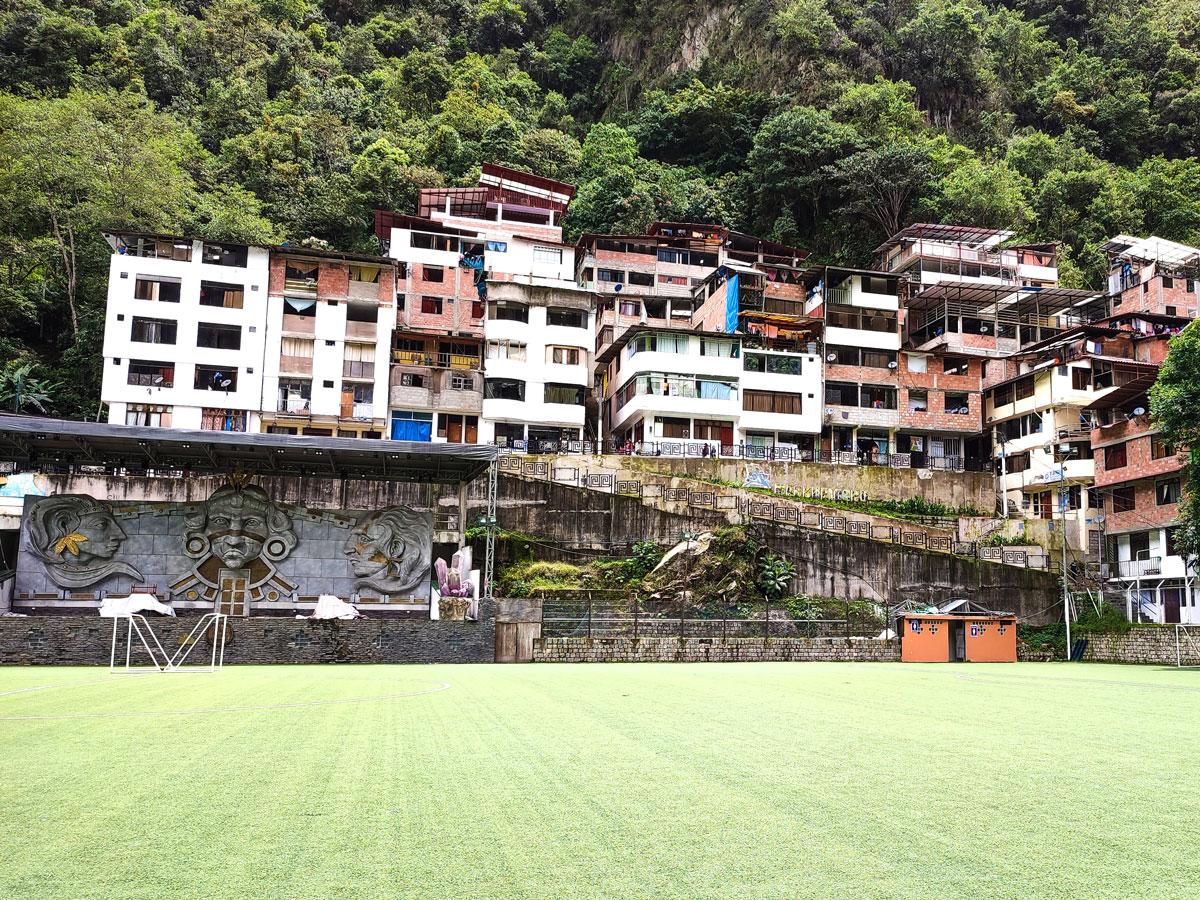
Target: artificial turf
[[741, 780]]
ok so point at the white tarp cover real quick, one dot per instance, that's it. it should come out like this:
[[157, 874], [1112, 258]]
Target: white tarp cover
[[331, 607], [112, 607]]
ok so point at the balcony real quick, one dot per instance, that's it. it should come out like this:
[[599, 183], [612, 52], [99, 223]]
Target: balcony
[[352, 369], [293, 405], [412, 358], [1135, 568], [361, 331], [458, 361], [358, 411], [299, 324], [295, 365]]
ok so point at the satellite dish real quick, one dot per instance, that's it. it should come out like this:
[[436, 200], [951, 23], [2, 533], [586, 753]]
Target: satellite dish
[[157, 379], [226, 383], [892, 364], [1139, 411], [617, 288], [832, 357], [983, 329]]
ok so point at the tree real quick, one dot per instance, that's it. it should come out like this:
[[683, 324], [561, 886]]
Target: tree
[[881, 186], [1175, 410]]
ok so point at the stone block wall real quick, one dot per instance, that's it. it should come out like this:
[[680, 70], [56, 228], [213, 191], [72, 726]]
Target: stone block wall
[[1144, 644], [86, 641], [663, 649]]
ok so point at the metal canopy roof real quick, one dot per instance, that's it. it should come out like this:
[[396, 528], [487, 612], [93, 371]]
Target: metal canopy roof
[[1043, 299], [30, 440], [958, 234], [1128, 391]]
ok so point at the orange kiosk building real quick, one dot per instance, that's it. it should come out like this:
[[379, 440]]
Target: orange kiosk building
[[946, 637]]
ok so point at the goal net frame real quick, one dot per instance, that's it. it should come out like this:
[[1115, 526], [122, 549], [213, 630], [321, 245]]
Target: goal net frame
[[136, 624], [1187, 646]]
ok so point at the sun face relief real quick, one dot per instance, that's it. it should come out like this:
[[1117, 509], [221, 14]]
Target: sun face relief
[[237, 529]]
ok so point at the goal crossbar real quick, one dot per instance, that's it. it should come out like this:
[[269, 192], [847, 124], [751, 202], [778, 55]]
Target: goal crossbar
[[136, 624], [1187, 646]]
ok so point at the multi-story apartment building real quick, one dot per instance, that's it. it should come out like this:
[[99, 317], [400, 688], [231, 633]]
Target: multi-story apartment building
[[329, 326], [926, 254], [1153, 275], [185, 333], [507, 229], [228, 337]]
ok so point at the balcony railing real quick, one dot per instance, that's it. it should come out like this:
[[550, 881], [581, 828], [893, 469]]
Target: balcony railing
[[458, 361], [299, 324], [1135, 568], [293, 405]]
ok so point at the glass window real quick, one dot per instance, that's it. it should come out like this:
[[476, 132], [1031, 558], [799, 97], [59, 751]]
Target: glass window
[[1114, 457], [497, 246], [506, 350], [504, 389], [710, 347], [219, 337], [513, 312], [226, 255], [1123, 499], [226, 296], [564, 393], [645, 279], [878, 359], [772, 402], [153, 331], [164, 290], [1024, 388], [147, 415], [547, 255], [151, 374], [610, 276], [675, 429], [1167, 491], [215, 378], [566, 318], [567, 356]]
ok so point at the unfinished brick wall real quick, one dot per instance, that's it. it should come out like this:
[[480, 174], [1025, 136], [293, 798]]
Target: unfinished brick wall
[[1154, 296]]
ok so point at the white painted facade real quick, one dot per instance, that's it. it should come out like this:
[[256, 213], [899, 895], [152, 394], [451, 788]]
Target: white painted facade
[[128, 318]]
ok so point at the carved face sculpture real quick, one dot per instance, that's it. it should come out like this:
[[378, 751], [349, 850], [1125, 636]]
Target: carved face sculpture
[[235, 526], [389, 550], [76, 537]]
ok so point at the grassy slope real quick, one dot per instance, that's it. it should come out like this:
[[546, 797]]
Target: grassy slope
[[769, 780]]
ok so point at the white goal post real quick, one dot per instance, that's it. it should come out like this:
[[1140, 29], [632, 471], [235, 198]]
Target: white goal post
[[136, 624], [1187, 646]]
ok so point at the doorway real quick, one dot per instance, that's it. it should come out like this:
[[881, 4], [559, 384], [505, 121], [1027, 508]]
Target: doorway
[[958, 641], [232, 595]]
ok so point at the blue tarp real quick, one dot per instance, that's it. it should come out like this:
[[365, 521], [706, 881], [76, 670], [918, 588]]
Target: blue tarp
[[411, 430], [731, 304]]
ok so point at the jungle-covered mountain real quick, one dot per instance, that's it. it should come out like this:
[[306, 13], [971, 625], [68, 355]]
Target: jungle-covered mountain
[[824, 123]]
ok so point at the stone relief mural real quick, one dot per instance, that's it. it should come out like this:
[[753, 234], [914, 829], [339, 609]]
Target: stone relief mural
[[77, 539], [273, 551], [389, 550]]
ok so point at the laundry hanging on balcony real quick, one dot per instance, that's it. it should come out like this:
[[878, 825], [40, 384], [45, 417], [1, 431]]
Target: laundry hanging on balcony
[[300, 304]]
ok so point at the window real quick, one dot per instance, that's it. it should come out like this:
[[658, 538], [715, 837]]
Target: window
[[153, 331], [547, 255], [875, 285], [219, 337], [846, 356], [226, 255], [1171, 549], [151, 374], [1123, 499], [771, 402], [658, 343], [215, 378], [917, 364], [462, 383], [675, 429], [1114, 457], [433, 273], [710, 347], [164, 290], [958, 404], [714, 390], [512, 312], [1081, 378], [497, 246], [564, 393], [667, 255], [1159, 448], [1003, 395], [362, 312], [295, 348], [918, 401], [223, 420], [424, 241], [299, 306], [1018, 462], [1168, 281], [358, 361], [839, 394], [1167, 491], [514, 350], [504, 389], [566, 318], [294, 395], [363, 393], [673, 279], [567, 356], [610, 276], [874, 397], [431, 306], [645, 279], [148, 416], [364, 274], [407, 379], [1024, 388], [227, 296], [476, 309], [955, 365], [1139, 545]]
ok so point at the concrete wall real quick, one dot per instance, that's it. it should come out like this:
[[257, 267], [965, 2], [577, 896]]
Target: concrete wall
[[86, 640], [714, 650]]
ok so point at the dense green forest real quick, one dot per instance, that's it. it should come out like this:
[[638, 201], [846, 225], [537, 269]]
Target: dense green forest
[[824, 123]]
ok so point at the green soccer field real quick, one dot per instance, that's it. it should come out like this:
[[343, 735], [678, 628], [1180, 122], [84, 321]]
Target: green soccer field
[[743, 780]]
